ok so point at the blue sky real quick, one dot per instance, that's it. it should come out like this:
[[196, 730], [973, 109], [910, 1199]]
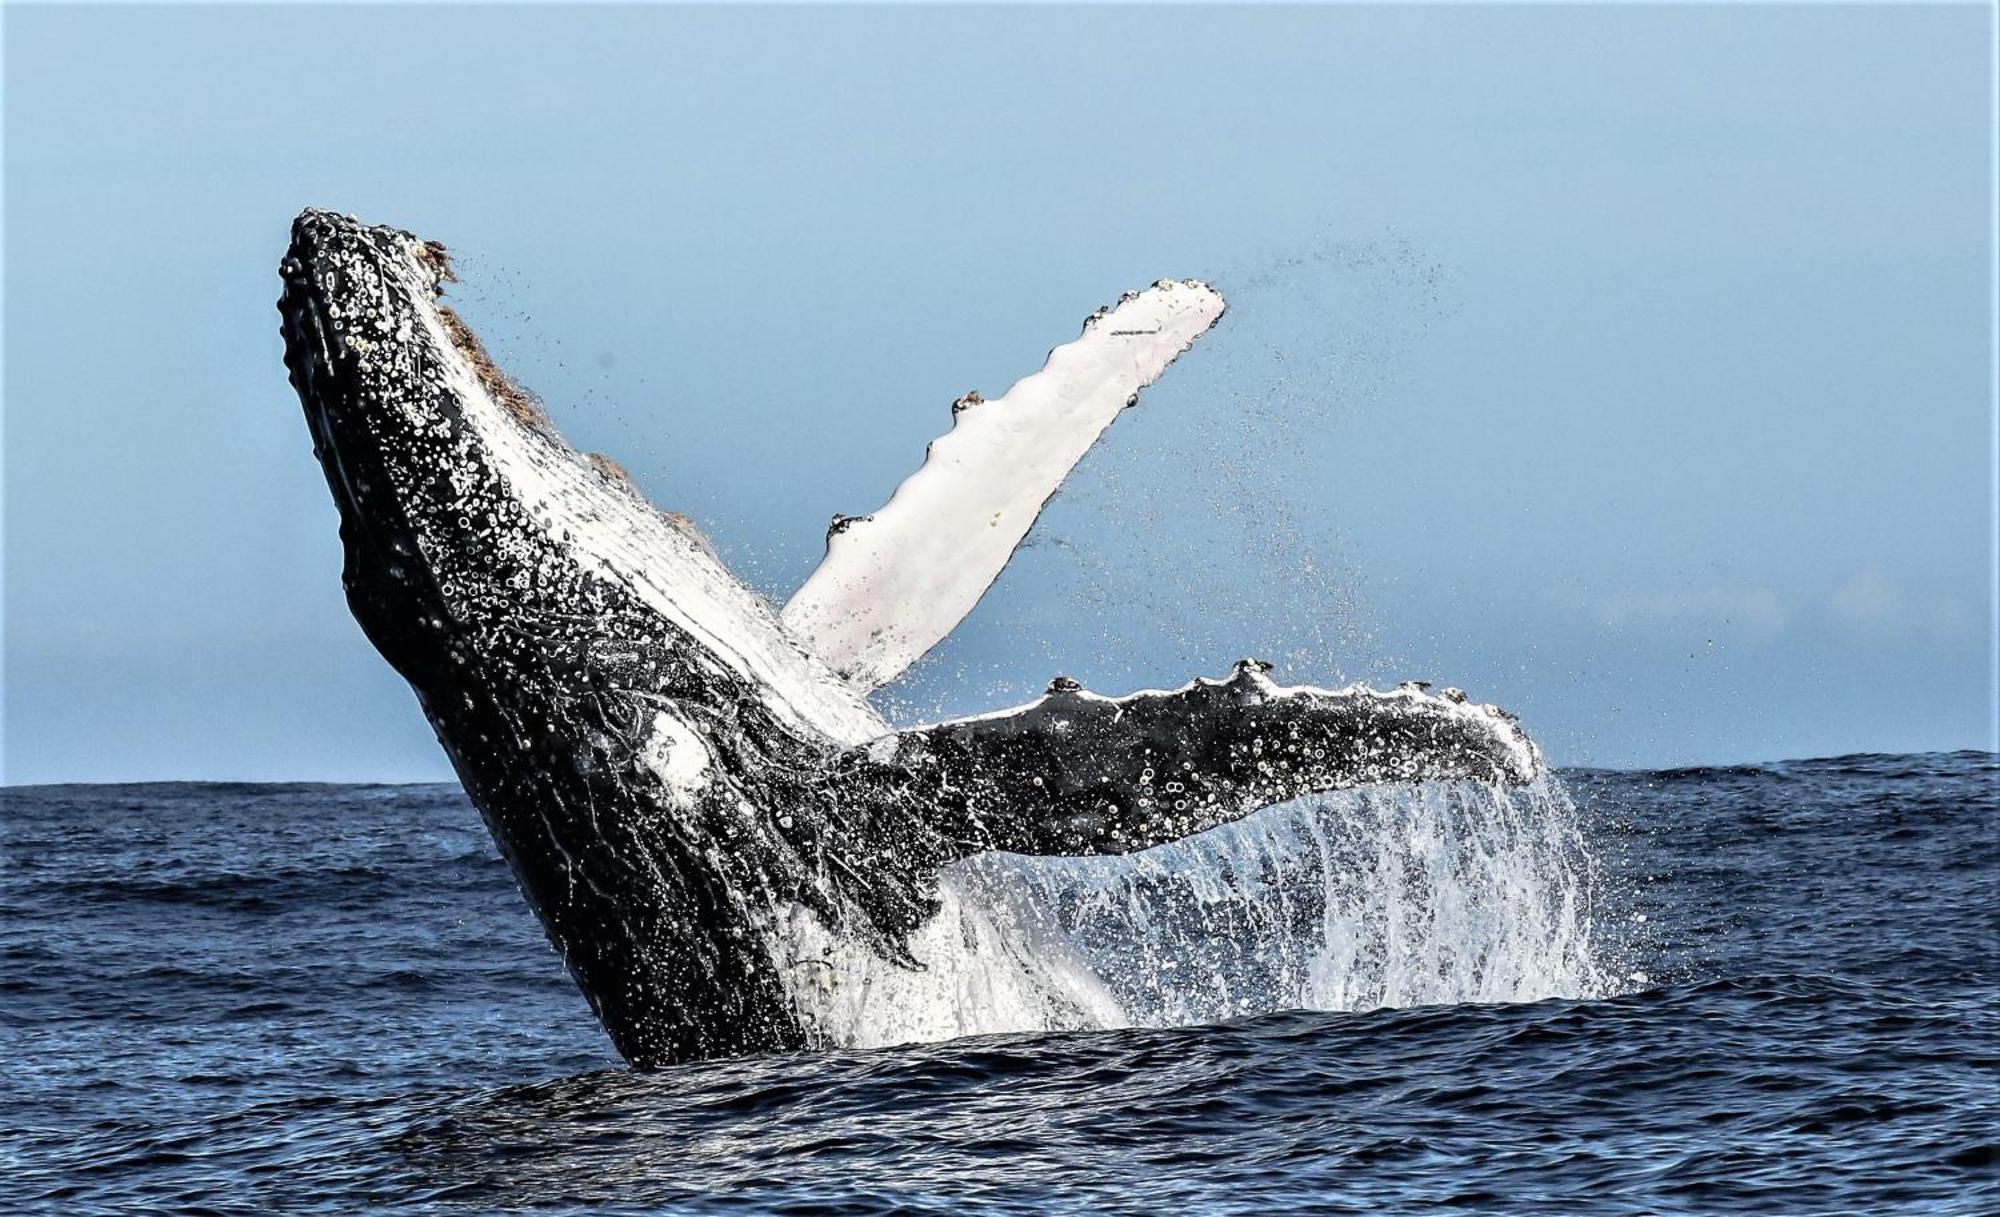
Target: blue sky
[[1629, 367]]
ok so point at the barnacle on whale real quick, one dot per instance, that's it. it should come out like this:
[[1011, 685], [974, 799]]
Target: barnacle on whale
[[688, 786]]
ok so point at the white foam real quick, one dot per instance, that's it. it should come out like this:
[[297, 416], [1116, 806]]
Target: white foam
[[1394, 896]]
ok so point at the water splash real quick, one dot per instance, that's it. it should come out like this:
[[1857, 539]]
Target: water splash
[[1436, 894]]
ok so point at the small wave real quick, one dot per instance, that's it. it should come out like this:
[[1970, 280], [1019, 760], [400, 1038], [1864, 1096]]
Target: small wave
[[234, 891]]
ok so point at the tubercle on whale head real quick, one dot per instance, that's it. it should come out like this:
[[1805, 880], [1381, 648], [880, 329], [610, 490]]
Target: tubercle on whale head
[[400, 395], [358, 301], [461, 505], [368, 348], [409, 417]]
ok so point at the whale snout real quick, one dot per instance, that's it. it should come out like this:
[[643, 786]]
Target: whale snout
[[330, 239], [341, 269], [353, 307], [381, 371]]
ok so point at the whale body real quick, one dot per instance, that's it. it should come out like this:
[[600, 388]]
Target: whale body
[[689, 785]]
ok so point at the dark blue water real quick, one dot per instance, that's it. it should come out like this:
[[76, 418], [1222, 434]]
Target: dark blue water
[[256, 999]]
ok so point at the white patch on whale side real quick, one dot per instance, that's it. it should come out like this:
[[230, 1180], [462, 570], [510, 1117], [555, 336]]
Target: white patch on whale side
[[677, 754]]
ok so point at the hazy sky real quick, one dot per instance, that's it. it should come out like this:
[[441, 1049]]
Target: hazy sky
[[1629, 367]]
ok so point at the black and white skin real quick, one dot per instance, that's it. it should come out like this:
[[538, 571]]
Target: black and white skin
[[727, 843]]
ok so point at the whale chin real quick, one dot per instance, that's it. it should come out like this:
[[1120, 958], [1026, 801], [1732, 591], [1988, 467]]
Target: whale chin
[[679, 776]]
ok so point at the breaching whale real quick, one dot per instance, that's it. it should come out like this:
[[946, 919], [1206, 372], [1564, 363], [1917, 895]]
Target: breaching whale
[[682, 778]]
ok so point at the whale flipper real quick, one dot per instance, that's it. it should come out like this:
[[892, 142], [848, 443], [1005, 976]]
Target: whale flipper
[[1075, 773], [895, 582]]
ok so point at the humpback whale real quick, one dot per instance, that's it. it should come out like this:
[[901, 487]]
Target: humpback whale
[[687, 784]]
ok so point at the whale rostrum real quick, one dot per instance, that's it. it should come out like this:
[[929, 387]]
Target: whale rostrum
[[679, 777]]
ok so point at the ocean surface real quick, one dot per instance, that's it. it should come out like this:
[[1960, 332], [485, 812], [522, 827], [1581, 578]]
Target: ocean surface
[[1762, 989]]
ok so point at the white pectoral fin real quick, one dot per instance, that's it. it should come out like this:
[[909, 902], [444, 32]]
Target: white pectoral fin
[[896, 582]]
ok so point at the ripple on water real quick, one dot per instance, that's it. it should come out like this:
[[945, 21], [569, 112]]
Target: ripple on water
[[1823, 1040]]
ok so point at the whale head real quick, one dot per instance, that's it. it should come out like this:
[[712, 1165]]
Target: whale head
[[632, 722], [466, 519], [411, 423]]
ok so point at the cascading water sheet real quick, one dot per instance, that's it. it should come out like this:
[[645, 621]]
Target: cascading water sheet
[[1399, 895], [1387, 896]]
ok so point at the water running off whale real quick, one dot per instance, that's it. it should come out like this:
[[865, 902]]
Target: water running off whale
[[732, 850]]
